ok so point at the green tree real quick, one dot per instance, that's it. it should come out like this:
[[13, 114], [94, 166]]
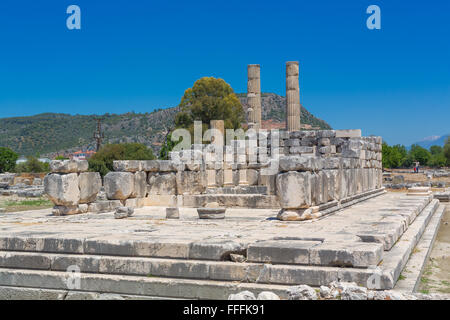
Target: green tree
[[210, 99], [436, 150], [393, 157], [438, 160], [420, 154], [102, 161], [8, 159], [446, 151]]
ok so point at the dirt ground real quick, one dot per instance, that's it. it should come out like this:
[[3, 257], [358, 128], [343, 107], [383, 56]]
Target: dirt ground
[[14, 203], [412, 177], [436, 276]]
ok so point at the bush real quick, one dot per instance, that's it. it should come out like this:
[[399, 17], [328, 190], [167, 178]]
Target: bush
[[8, 159], [102, 161], [32, 165]]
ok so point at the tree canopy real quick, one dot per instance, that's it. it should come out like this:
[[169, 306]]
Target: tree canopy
[[8, 159], [397, 156], [210, 99]]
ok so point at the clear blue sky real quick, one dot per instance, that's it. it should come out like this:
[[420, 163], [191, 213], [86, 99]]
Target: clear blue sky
[[142, 55]]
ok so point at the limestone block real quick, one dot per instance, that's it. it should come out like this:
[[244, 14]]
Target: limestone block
[[252, 177], [69, 166], [294, 163], [301, 149], [119, 185], [104, 206], [192, 182], [90, 184], [326, 134], [150, 165], [352, 133], [163, 183], [280, 251], [357, 254], [127, 165], [172, 213], [140, 185], [294, 189], [63, 189]]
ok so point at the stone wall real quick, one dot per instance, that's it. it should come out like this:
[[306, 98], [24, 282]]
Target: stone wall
[[301, 169], [71, 187]]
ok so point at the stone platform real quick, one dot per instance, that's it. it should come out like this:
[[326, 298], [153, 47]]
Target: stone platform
[[148, 256]]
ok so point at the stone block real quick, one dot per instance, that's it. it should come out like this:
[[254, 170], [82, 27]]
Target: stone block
[[62, 190], [150, 165], [252, 177], [127, 165], [119, 185], [104, 206], [90, 184], [192, 182], [296, 163], [140, 185], [69, 166], [348, 254], [351, 133], [280, 251], [294, 189], [164, 183], [214, 250]]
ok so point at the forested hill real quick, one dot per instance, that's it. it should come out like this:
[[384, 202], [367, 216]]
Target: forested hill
[[54, 132]]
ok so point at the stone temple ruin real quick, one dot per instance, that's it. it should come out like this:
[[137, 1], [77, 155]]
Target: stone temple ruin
[[302, 207]]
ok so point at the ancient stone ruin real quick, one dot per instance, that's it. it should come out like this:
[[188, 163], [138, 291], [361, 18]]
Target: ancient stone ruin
[[303, 208]]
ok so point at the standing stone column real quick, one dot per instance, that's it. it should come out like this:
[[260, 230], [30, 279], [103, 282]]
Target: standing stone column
[[254, 96], [292, 96]]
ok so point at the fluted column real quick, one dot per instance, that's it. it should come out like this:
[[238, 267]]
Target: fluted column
[[254, 95], [292, 96]]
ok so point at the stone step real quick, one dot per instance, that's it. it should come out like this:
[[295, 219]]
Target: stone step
[[111, 273], [238, 190], [257, 201], [413, 270], [132, 285]]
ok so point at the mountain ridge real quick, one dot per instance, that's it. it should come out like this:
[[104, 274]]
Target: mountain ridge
[[55, 133]]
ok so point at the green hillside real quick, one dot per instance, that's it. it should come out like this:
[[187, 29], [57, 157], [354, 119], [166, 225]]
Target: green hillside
[[48, 133]]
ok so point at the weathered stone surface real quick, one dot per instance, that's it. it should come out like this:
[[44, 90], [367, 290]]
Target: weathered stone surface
[[267, 295], [119, 185], [301, 292], [140, 185], [150, 165], [346, 254], [62, 190], [172, 213], [162, 183], [123, 212], [104, 206], [65, 210], [211, 213], [191, 182], [69, 166], [294, 189], [252, 177], [90, 184], [298, 163], [281, 251], [127, 165], [244, 295]]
